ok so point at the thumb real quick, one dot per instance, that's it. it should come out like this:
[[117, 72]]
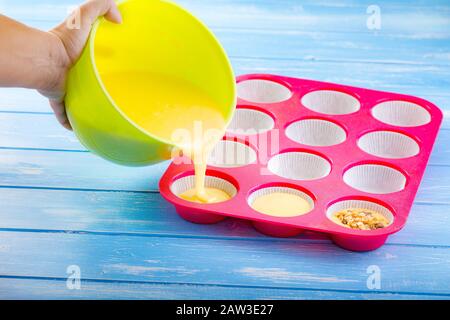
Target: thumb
[[74, 39]]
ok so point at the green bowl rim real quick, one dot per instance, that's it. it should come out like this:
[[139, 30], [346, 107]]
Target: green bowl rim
[[215, 42]]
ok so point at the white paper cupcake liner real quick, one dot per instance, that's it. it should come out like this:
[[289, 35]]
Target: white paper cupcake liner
[[316, 132], [187, 183], [401, 113], [250, 121], [359, 204], [331, 102], [390, 145], [299, 166], [232, 154], [263, 91], [265, 191], [377, 179]]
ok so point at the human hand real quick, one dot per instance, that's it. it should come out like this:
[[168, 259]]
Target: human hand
[[68, 44]]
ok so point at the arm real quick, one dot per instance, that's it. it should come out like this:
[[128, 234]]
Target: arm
[[40, 60], [29, 58]]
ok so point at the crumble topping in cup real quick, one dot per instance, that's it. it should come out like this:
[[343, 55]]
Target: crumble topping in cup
[[360, 219]]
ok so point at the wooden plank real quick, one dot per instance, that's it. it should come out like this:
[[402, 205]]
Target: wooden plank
[[150, 214], [38, 289], [25, 168], [428, 82], [428, 16], [317, 266], [333, 47], [327, 46], [416, 80], [19, 130], [408, 79], [441, 150], [105, 212], [41, 131], [293, 31], [41, 169], [20, 100]]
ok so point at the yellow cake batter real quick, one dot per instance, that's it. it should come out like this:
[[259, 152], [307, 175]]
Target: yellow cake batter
[[281, 204], [213, 196], [177, 111]]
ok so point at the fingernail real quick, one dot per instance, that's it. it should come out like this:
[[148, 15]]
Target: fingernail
[[67, 125], [118, 15]]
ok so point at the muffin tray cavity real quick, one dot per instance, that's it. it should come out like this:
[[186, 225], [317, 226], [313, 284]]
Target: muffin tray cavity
[[337, 147]]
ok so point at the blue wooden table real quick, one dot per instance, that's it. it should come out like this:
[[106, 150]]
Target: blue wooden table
[[63, 208]]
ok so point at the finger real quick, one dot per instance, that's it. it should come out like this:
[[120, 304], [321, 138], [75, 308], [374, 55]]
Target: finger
[[96, 8], [114, 14], [60, 112]]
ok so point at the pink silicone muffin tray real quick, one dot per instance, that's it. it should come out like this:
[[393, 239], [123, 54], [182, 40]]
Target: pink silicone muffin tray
[[338, 147]]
